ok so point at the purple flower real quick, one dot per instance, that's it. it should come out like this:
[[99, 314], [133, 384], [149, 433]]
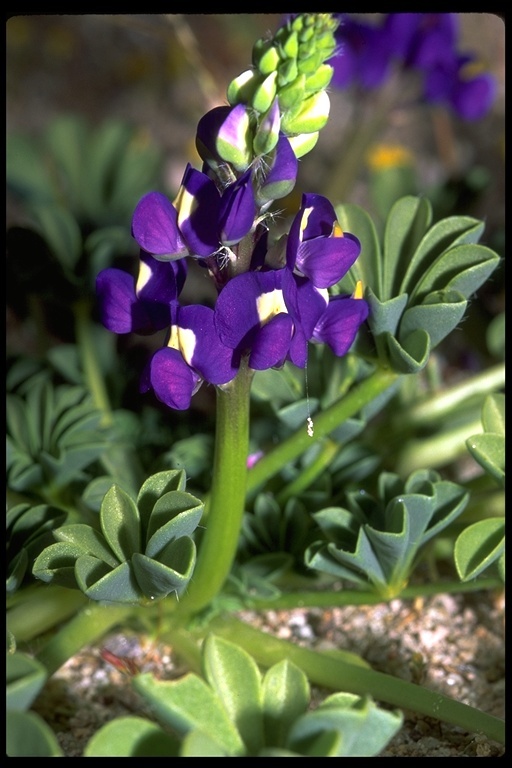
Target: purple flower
[[365, 55], [277, 173], [460, 85], [155, 228], [199, 222], [237, 210], [317, 247], [143, 305], [194, 353], [423, 42], [271, 315], [339, 324]]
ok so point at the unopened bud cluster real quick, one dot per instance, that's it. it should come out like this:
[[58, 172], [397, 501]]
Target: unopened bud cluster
[[290, 70]]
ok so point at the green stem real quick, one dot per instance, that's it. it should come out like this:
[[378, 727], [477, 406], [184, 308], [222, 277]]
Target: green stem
[[93, 375], [226, 502], [329, 599], [42, 609], [339, 675], [89, 625], [324, 457], [324, 423], [439, 405]]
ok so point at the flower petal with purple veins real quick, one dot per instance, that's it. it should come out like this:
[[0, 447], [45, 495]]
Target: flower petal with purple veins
[[155, 227], [171, 379], [340, 323]]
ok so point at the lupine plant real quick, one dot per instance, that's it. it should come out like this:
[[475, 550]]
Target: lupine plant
[[317, 464]]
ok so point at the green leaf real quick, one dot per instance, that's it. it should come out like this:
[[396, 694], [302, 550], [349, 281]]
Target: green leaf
[[364, 729], [25, 678], [493, 414], [443, 235], [438, 315], [226, 665], [368, 267], [406, 225], [188, 704], [26, 172], [478, 546], [67, 137], [99, 582], [463, 268], [285, 698], [385, 315], [59, 228], [175, 514], [131, 737], [157, 579], [199, 744], [411, 354], [489, 451], [27, 735], [120, 523], [88, 541], [56, 564], [153, 488]]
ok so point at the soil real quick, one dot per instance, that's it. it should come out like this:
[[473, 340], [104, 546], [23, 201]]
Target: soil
[[451, 644]]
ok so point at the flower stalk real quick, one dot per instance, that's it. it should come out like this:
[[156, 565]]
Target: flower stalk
[[227, 497]]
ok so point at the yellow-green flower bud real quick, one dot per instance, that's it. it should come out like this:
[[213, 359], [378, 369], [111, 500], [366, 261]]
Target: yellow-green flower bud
[[287, 72], [319, 80], [265, 56], [265, 93], [312, 116], [288, 42], [311, 64], [241, 89], [292, 95], [303, 143]]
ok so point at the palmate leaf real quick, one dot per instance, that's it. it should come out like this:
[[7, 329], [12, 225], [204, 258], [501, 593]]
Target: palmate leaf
[[29, 531], [52, 434], [419, 282], [236, 711], [479, 546], [131, 737], [488, 449], [28, 735], [125, 561], [375, 543]]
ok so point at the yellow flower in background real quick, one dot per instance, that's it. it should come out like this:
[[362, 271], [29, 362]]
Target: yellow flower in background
[[381, 157]]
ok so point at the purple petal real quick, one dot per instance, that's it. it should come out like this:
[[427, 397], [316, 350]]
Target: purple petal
[[237, 210], [281, 177], [305, 303], [214, 361], [171, 379], [325, 260], [271, 344], [156, 281], [155, 227], [340, 323], [198, 205], [120, 309], [236, 312]]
